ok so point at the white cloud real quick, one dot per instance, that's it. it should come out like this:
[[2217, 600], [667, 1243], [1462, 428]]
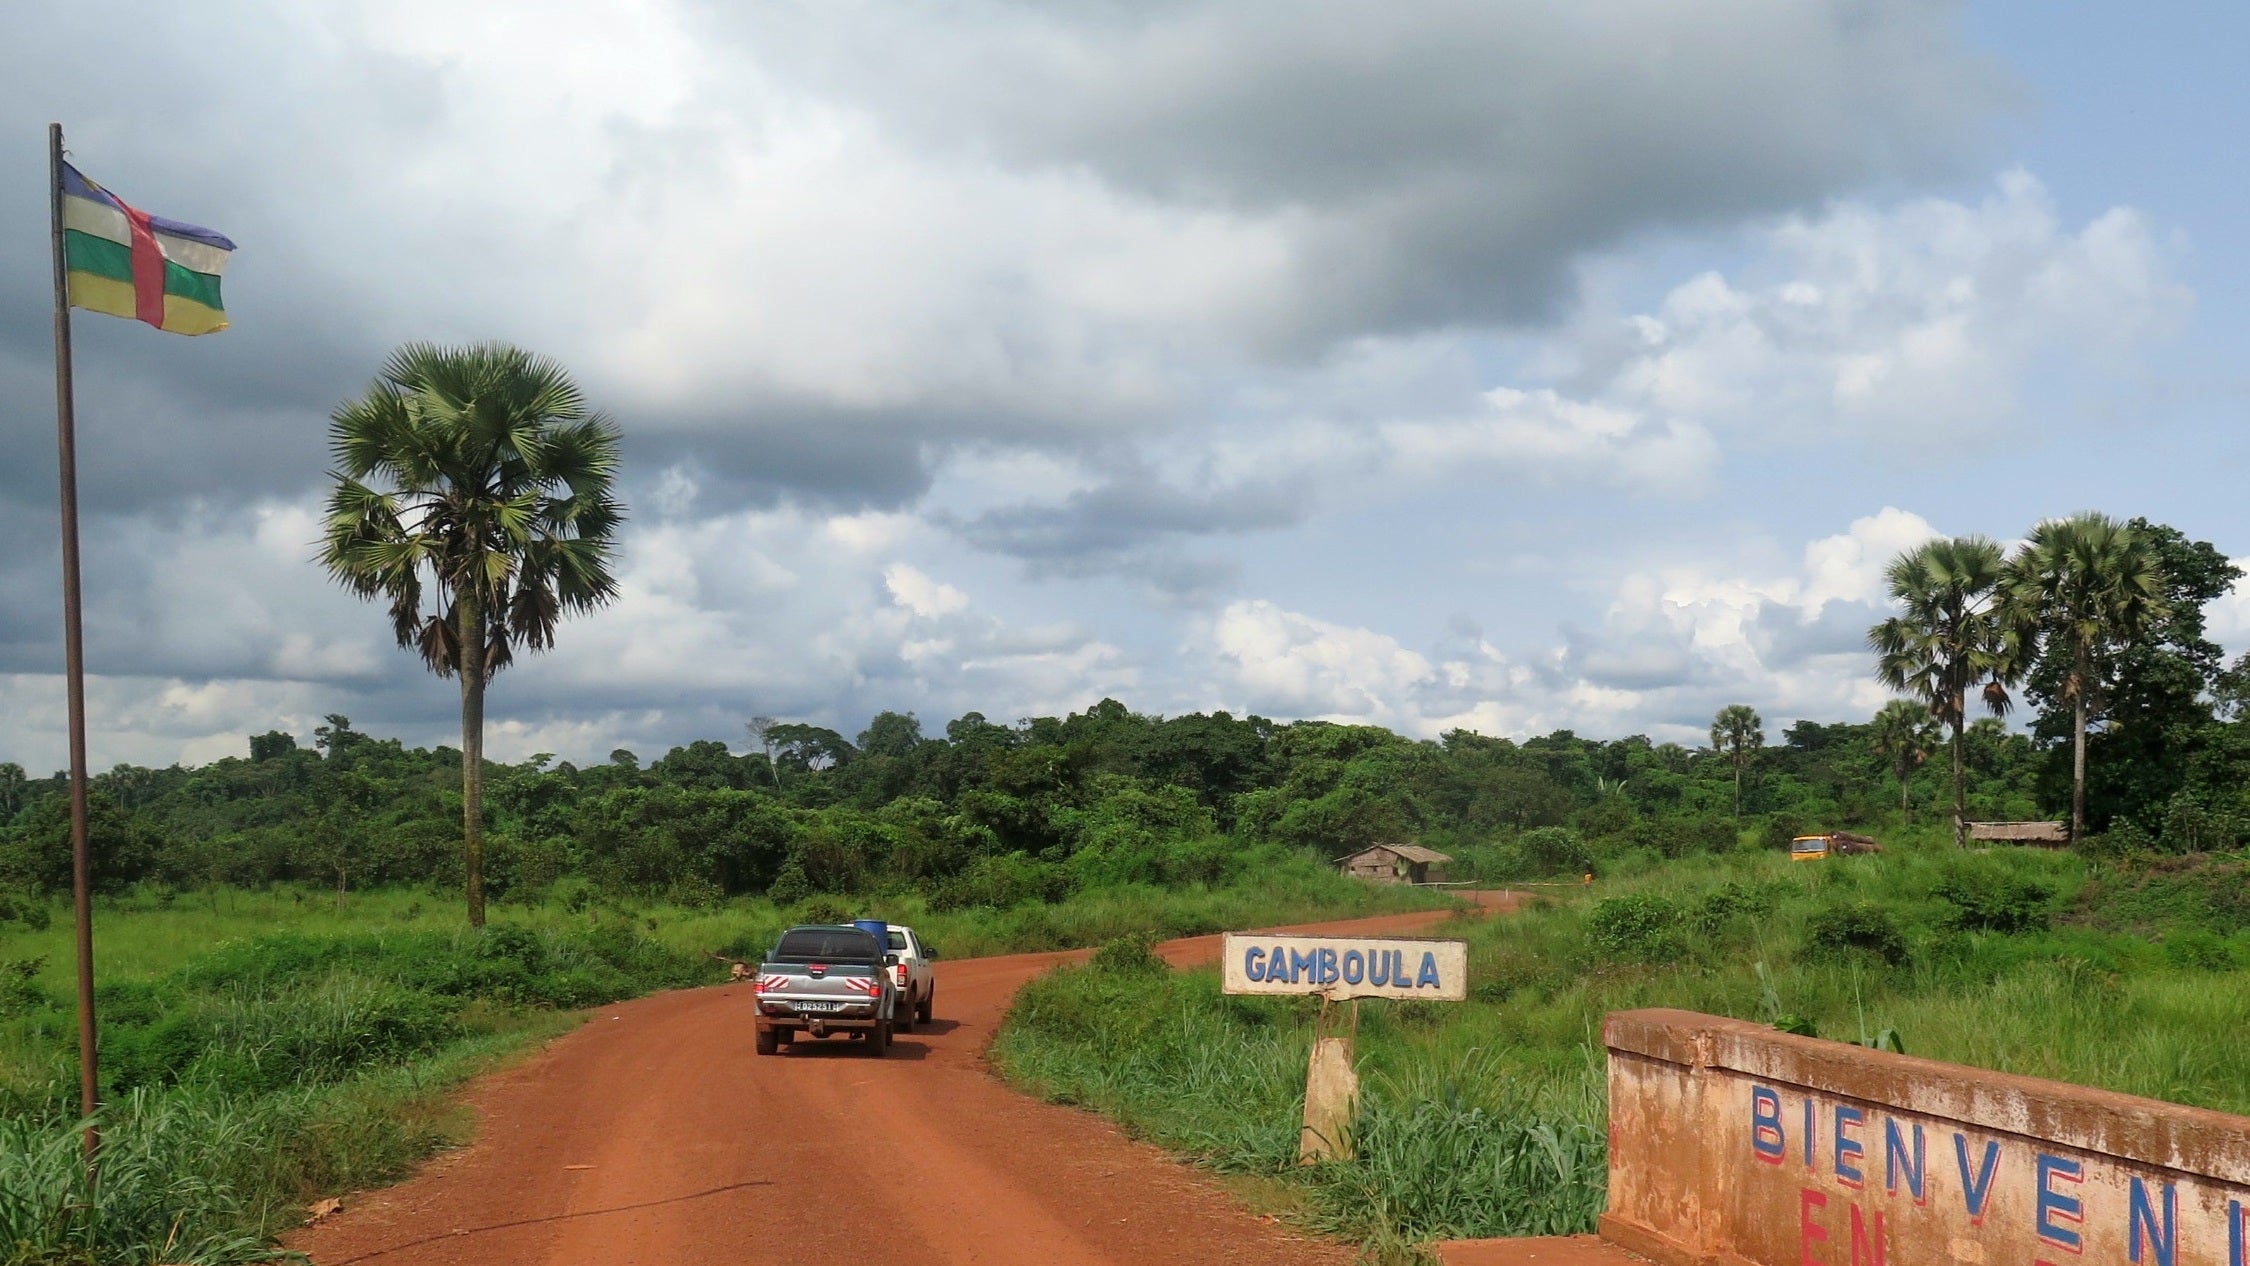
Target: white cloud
[[1674, 646], [923, 596], [1297, 665], [2227, 619], [1918, 320], [1543, 437]]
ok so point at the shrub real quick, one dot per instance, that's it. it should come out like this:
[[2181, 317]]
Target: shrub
[[1841, 930], [1730, 900], [26, 908], [1679, 836], [2124, 838], [1640, 927], [1132, 952], [2198, 950], [999, 883], [695, 892], [1986, 900], [1553, 850], [822, 908], [19, 984], [1780, 829], [791, 885]]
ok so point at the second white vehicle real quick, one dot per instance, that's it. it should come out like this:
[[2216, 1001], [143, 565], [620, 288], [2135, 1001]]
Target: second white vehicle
[[916, 982]]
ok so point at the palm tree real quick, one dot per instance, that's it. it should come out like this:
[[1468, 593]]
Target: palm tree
[[1737, 732], [1948, 639], [12, 784], [1904, 734], [2083, 586], [478, 474]]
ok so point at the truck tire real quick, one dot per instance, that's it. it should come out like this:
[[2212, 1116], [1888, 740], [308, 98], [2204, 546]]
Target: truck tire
[[768, 1042], [905, 1021], [926, 1006], [879, 1039]]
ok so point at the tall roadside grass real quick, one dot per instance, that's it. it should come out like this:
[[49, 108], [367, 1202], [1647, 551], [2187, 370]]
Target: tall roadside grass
[[259, 1076], [1467, 1150]]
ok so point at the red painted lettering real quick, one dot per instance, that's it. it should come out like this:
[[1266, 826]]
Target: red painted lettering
[[1808, 1230], [1866, 1250]]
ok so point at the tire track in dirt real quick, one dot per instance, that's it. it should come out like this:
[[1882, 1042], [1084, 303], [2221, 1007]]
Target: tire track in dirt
[[652, 1134]]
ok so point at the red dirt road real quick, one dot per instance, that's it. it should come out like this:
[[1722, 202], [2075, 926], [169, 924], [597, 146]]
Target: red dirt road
[[653, 1135]]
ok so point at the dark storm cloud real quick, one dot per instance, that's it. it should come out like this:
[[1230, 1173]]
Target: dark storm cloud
[[1120, 516], [1138, 529], [1455, 157], [1428, 164]]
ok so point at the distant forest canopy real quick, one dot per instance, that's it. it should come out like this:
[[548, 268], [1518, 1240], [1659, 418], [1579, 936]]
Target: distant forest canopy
[[990, 814]]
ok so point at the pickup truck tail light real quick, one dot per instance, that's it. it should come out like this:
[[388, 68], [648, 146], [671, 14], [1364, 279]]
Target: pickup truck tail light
[[901, 970], [869, 985]]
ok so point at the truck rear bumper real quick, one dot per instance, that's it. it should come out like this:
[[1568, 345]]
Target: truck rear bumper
[[826, 1023]]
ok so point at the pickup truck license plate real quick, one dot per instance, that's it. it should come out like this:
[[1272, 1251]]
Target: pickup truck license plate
[[818, 1006]]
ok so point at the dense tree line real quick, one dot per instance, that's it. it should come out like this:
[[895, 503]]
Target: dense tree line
[[984, 813]]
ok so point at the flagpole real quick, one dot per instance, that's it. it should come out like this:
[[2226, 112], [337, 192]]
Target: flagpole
[[74, 661]]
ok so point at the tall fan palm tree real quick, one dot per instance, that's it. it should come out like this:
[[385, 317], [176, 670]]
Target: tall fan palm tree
[[473, 495], [2084, 585], [1904, 734], [1737, 732], [1949, 638]]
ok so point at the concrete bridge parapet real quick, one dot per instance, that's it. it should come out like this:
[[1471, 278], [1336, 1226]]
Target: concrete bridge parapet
[[1733, 1144]]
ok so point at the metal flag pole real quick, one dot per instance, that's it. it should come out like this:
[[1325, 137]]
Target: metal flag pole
[[74, 662]]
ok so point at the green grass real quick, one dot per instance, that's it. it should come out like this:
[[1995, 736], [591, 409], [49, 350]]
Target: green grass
[[1488, 1117], [151, 933]]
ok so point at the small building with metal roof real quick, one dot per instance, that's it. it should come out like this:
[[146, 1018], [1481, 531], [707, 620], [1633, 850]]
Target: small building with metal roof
[[2053, 834], [1397, 864]]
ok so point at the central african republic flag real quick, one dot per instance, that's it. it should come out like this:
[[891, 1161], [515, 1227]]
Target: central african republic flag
[[128, 263]]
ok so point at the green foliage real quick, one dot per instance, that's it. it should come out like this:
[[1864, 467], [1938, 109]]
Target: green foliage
[[1554, 850], [1780, 829], [163, 1193], [1719, 908], [1132, 952], [821, 908], [1990, 899], [25, 909], [999, 883], [1640, 927], [1855, 927], [1682, 835]]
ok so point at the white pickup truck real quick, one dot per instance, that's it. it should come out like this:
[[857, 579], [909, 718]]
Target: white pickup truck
[[911, 973]]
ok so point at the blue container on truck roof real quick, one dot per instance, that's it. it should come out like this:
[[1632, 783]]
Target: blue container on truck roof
[[878, 929]]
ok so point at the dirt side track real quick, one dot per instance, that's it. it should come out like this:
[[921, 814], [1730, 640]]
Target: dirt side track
[[653, 1135]]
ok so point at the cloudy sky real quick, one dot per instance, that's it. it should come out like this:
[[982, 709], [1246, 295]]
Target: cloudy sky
[[1510, 367]]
